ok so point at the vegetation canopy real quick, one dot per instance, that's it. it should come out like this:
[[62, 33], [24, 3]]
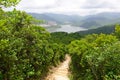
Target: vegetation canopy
[[27, 51]]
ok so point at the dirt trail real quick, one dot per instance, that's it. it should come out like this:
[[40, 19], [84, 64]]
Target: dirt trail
[[61, 72]]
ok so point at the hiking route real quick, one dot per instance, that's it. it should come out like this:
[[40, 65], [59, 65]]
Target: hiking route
[[61, 72]]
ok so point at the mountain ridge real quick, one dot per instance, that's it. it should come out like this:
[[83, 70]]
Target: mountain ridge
[[89, 21]]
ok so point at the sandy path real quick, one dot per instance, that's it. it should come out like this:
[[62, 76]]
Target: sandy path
[[61, 72]]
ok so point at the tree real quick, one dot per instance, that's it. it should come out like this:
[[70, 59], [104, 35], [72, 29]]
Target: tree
[[8, 3], [93, 58], [26, 52], [117, 30]]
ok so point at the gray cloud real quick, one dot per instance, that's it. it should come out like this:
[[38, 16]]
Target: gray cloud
[[101, 4], [82, 7]]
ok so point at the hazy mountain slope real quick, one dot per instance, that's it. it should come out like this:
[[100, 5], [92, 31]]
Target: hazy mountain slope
[[90, 24], [90, 21], [59, 18], [101, 19], [43, 17], [105, 29]]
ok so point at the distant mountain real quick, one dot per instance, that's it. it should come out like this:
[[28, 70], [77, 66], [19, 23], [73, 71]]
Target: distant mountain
[[98, 20], [90, 21], [90, 24], [59, 18], [105, 29]]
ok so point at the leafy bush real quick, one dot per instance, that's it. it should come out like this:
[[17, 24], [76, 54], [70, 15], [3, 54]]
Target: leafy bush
[[95, 57], [25, 50]]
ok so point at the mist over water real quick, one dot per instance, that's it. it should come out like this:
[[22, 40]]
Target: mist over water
[[66, 28]]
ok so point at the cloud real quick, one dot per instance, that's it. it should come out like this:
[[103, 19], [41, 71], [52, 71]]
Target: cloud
[[81, 7], [34, 3], [102, 4]]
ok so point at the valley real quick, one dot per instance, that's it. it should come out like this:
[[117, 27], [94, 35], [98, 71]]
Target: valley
[[87, 22]]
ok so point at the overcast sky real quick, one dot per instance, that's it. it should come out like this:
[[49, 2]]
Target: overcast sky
[[81, 7]]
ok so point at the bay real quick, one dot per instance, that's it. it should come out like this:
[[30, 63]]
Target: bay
[[65, 28]]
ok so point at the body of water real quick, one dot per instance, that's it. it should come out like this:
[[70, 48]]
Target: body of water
[[65, 28]]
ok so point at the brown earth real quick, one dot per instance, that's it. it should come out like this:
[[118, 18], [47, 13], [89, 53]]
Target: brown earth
[[60, 72]]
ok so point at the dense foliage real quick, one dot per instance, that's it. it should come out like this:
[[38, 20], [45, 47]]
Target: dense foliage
[[26, 52], [8, 3], [64, 37], [96, 57]]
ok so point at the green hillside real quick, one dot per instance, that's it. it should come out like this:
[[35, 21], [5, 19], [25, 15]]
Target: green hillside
[[105, 29]]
